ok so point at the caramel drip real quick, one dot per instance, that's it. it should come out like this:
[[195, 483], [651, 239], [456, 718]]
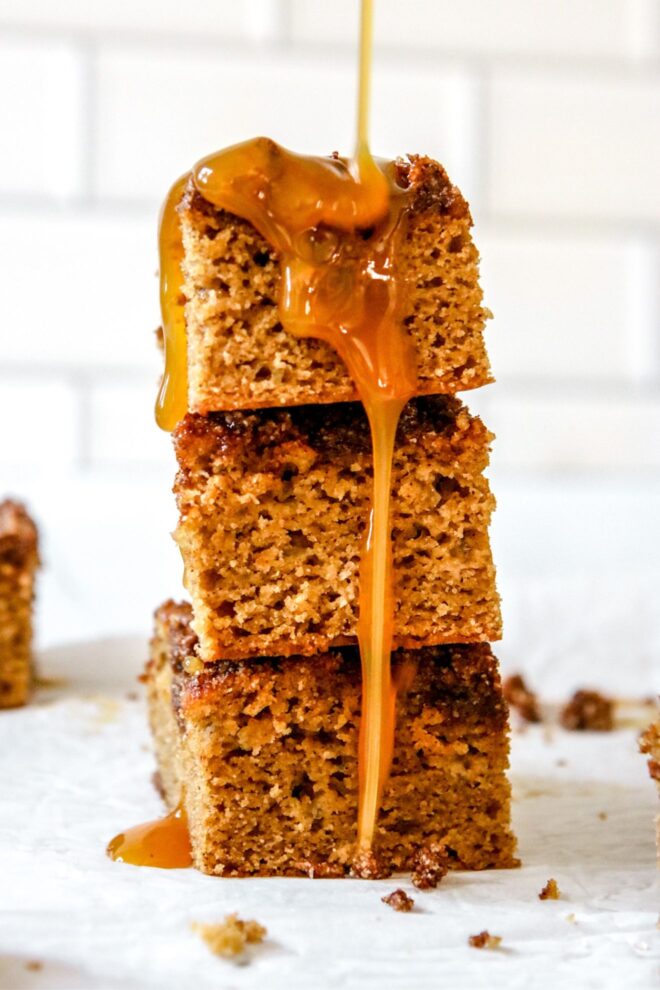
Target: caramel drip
[[344, 289], [172, 401], [164, 842]]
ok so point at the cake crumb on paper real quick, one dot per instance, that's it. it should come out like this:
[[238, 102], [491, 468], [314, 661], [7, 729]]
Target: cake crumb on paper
[[518, 696], [229, 938], [484, 940], [430, 865], [367, 865], [588, 711], [34, 966], [398, 900], [550, 892], [571, 918]]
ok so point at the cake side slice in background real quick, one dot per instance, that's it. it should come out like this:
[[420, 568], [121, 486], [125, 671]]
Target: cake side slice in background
[[273, 506], [241, 357], [19, 559], [263, 756], [649, 744]]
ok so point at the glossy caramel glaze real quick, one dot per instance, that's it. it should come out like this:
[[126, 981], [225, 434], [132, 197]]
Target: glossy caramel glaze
[[164, 843]]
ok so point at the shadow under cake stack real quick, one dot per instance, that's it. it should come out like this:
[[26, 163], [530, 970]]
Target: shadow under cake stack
[[254, 687]]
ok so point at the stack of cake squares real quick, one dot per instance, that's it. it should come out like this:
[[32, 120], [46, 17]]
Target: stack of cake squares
[[254, 687]]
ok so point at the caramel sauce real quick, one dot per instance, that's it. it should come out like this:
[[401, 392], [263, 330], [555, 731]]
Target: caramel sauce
[[341, 288], [164, 843], [172, 401]]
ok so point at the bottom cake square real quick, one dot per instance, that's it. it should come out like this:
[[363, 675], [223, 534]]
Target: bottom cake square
[[262, 755]]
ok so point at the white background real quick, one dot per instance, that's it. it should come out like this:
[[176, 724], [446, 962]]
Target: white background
[[545, 112]]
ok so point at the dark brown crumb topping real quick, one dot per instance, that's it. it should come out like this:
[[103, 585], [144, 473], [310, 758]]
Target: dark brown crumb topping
[[398, 900], [334, 428], [588, 711], [431, 186], [518, 696], [430, 865], [467, 671]]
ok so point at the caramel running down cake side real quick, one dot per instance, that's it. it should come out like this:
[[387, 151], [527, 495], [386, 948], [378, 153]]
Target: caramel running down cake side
[[19, 560], [240, 356], [273, 508], [263, 756]]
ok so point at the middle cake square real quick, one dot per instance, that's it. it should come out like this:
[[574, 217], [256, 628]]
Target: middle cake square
[[274, 506]]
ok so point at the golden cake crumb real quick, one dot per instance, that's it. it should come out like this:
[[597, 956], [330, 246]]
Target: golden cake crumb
[[588, 711], [571, 918], [34, 966], [518, 696], [484, 940], [550, 892], [398, 900], [229, 938]]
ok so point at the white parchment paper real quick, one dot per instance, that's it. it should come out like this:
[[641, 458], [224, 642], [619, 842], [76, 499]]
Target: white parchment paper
[[75, 769]]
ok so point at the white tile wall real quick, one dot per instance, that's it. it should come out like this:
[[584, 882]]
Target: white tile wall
[[41, 118], [522, 27], [252, 19], [575, 146], [560, 430], [39, 426], [564, 305], [546, 113], [122, 431], [159, 110], [81, 289]]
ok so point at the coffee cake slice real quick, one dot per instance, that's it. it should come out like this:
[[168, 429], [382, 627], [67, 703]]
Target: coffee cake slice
[[273, 510], [263, 757], [18, 563], [649, 744], [241, 357]]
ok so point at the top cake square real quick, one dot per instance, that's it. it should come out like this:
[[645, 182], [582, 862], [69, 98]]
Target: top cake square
[[241, 357]]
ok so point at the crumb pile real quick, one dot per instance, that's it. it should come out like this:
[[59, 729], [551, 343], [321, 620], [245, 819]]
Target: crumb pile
[[484, 940], [398, 900], [255, 688], [230, 938], [588, 711], [550, 892], [19, 559], [519, 697]]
